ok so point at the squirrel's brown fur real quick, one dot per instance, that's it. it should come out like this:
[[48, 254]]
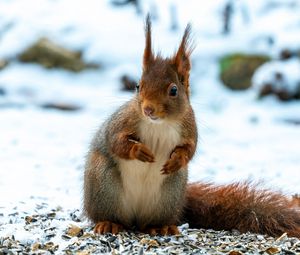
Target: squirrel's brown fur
[[136, 169], [241, 206]]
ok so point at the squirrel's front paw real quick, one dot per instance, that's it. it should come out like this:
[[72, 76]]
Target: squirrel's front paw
[[141, 152], [175, 163]]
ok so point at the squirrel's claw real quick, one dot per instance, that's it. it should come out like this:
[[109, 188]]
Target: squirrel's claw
[[141, 152], [175, 163], [172, 165], [103, 227]]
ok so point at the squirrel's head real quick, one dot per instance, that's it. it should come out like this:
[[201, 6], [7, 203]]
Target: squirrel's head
[[163, 90]]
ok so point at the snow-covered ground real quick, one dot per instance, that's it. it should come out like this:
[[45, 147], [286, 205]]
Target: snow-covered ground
[[241, 138]]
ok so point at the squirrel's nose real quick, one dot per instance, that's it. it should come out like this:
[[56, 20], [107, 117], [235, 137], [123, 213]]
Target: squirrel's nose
[[148, 110]]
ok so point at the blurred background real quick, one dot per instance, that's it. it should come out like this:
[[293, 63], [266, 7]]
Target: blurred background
[[65, 65]]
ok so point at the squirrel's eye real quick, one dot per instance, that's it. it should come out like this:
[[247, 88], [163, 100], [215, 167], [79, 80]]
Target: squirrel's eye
[[137, 86], [173, 90]]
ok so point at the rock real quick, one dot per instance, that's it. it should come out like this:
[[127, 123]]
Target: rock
[[74, 230], [128, 83], [3, 63], [235, 253], [287, 53], [66, 237], [280, 93], [279, 78], [51, 215], [236, 70], [36, 246], [30, 219], [272, 250], [75, 215], [61, 106], [51, 55]]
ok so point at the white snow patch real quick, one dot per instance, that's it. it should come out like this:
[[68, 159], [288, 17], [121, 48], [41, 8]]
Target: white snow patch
[[288, 70], [42, 152]]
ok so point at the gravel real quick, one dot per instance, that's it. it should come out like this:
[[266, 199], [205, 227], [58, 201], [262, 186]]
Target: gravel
[[59, 231]]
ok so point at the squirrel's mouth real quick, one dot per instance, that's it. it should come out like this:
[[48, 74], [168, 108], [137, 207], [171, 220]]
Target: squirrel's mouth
[[154, 119]]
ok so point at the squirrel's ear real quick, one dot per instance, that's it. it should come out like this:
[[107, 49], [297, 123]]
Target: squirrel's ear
[[148, 55], [181, 60]]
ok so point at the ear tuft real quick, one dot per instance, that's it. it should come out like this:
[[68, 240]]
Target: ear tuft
[[181, 59], [148, 55]]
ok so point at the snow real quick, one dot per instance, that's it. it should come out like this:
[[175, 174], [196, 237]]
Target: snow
[[289, 71], [241, 138]]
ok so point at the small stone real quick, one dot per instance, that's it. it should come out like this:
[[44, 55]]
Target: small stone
[[272, 250], [82, 253], [168, 239], [30, 219], [36, 246], [287, 252], [50, 246], [66, 237], [51, 215], [13, 214], [149, 242], [75, 215], [74, 231], [260, 237], [50, 236], [111, 239], [50, 229]]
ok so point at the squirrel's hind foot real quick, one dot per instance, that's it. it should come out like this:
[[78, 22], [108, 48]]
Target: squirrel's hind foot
[[164, 231], [104, 227]]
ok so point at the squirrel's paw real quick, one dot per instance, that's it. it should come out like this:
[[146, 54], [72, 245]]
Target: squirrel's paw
[[141, 152], [175, 163], [103, 227], [165, 230]]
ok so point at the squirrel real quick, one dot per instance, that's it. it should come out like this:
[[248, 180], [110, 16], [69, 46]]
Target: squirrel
[[136, 169]]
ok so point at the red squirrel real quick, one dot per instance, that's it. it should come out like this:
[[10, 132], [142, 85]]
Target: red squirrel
[[136, 169]]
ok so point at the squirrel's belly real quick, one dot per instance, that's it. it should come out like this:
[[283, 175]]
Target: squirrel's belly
[[141, 195], [142, 182]]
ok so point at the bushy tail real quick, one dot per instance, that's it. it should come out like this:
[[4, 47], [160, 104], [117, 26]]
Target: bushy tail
[[242, 206]]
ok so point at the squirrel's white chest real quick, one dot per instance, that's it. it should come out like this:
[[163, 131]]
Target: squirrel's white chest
[[142, 181]]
